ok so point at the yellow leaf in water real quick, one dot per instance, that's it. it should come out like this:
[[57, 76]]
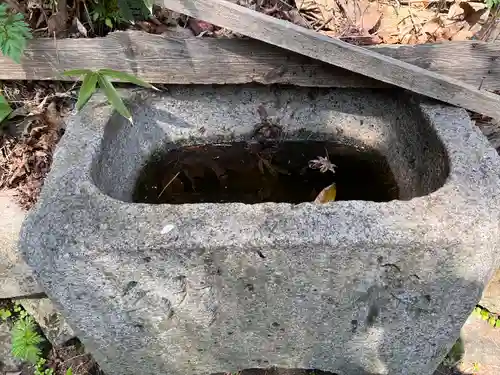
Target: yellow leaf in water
[[328, 194]]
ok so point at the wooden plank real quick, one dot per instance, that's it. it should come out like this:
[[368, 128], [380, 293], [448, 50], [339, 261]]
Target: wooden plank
[[175, 60], [339, 53]]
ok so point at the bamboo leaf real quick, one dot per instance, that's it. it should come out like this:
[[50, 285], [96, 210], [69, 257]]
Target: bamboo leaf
[[5, 109], [125, 77], [76, 72], [87, 89], [113, 97]]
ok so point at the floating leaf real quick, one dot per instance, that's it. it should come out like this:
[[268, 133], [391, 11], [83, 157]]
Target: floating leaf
[[125, 77], [87, 89], [113, 97], [328, 194]]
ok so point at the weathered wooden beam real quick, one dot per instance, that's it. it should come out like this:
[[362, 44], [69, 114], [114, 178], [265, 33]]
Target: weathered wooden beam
[[339, 53], [175, 60]]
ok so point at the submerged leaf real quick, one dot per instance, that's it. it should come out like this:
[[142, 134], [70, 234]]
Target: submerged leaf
[[328, 194]]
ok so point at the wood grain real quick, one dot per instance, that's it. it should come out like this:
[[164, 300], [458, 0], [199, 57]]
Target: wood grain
[[339, 53], [179, 60]]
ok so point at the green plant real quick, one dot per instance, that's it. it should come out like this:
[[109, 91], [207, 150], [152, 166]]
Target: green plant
[[5, 314], [5, 108], [14, 33], [455, 355], [18, 309], [107, 12], [492, 3], [26, 340], [484, 314], [136, 10], [40, 368], [103, 78]]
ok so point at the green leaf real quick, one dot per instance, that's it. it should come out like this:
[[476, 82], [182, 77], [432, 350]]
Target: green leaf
[[26, 340], [76, 72], [5, 314], [125, 77], [87, 89], [108, 23], [14, 33], [497, 324], [485, 315], [149, 5], [134, 10], [492, 320], [113, 97], [69, 371], [5, 109]]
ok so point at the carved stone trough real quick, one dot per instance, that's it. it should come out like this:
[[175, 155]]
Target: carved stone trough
[[163, 264]]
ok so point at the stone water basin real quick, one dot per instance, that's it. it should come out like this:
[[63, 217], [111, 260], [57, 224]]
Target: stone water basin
[[188, 242]]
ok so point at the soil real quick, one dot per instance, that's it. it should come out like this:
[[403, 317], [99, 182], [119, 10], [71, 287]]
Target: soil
[[263, 172], [73, 356]]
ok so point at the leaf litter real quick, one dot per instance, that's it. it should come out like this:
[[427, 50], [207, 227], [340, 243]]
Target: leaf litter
[[361, 22], [29, 138]]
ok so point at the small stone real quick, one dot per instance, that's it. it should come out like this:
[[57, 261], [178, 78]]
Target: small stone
[[7, 362], [52, 323], [491, 295], [16, 278]]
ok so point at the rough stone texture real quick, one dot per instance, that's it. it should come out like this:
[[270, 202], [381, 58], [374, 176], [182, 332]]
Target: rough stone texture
[[16, 279], [481, 344], [352, 287], [7, 361], [52, 323], [491, 295]]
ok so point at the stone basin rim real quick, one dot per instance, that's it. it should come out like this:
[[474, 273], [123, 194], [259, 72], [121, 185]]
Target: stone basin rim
[[442, 195]]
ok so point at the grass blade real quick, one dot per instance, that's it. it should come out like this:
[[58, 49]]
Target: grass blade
[[87, 89], [5, 109], [113, 97], [125, 77], [76, 72]]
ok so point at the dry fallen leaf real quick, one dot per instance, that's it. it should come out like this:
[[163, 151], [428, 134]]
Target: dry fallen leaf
[[198, 26], [431, 26], [370, 18], [81, 29], [323, 11], [57, 23]]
